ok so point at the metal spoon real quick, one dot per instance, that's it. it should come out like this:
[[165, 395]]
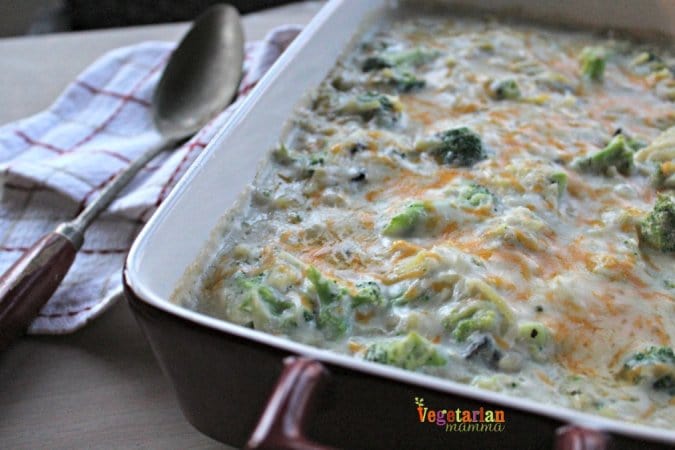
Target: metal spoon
[[200, 79]]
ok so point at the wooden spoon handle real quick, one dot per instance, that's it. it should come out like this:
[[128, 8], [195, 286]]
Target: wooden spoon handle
[[31, 281]]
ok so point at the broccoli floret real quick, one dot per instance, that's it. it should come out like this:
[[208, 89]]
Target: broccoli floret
[[593, 61], [368, 293], [283, 155], [657, 229], [536, 338], [385, 108], [504, 90], [332, 316], [559, 178], [410, 352], [327, 290], [411, 58], [633, 142], [655, 365], [377, 62], [649, 61], [317, 159], [457, 147], [479, 317], [298, 165], [333, 308], [477, 195], [400, 80], [665, 384], [261, 307], [405, 223], [653, 355], [618, 153], [406, 82], [481, 320], [255, 290], [332, 321]]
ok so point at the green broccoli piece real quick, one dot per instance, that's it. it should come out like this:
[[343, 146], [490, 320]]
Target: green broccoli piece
[[650, 61], [482, 320], [559, 178], [283, 155], [255, 290], [302, 165], [332, 312], [410, 352], [593, 61], [653, 355], [457, 147], [665, 384], [477, 195], [504, 90], [377, 62], [333, 322], [410, 58], [478, 317], [406, 82], [655, 365], [618, 153], [405, 223], [368, 293], [635, 143], [327, 290], [536, 337], [317, 159], [657, 229], [400, 80], [369, 105]]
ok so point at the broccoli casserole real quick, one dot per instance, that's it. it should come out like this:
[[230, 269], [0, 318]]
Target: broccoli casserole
[[488, 202]]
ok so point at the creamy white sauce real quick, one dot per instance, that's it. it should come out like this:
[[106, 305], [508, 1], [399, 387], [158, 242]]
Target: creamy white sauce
[[565, 258]]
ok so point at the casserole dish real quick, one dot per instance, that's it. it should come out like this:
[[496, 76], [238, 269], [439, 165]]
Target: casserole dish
[[149, 280]]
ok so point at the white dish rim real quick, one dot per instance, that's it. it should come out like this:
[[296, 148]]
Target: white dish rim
[[146, 294]]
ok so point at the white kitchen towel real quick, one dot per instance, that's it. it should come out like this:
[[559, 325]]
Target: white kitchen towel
[[57, 161]]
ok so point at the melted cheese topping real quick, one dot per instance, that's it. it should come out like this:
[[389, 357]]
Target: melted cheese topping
[[517, 272]]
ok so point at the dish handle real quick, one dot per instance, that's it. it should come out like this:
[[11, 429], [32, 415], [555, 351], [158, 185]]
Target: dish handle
[[281, 425], [575, 437]]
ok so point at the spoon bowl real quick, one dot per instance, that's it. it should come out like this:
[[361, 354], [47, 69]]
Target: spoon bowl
[[202, 74], [201, 78]]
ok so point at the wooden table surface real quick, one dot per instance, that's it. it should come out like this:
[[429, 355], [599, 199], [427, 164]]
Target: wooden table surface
[[99, 387]]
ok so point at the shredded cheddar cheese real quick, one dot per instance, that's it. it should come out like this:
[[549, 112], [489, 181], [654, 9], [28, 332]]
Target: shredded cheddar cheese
[[469, 199]]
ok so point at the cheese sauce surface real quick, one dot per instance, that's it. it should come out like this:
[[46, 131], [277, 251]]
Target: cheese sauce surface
[[484, 201]]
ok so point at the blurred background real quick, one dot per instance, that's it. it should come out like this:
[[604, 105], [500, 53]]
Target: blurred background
[[21, 17]]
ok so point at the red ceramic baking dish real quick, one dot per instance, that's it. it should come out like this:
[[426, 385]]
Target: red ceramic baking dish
[[242, 386]]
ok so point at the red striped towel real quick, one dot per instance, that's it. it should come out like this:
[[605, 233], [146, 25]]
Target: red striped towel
[[57, 161]]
